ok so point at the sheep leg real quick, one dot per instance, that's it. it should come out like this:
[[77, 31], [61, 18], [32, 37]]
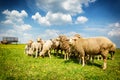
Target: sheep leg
[[36, 53], [105, 63], [49, 53], [112, 55], [88, 58], [67, 56], [56, 51], [98, 57], [64, 56], [41, 54], [83, 61], [104, 55], [82, 55], [79, 59], [93, 59]]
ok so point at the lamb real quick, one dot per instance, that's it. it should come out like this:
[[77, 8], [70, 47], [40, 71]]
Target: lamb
[[46, 48], [92, 46]]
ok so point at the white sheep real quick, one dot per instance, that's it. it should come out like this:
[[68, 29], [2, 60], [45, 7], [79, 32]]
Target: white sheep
[[27, 49], [36, 47], [46, 48]]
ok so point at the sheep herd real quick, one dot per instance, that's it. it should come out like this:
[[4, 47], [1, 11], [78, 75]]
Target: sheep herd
[[82, 48]]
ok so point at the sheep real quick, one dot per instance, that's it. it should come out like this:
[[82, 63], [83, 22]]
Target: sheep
[[46, 48], [64, 45], [112, 50], [36, 47], [73, 53], [27, 49], [55, 45], [92, 46], [111, 46]]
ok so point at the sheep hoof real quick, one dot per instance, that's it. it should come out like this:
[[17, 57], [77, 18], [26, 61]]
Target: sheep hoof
[[67, 58], [83, 65], [112, 58], [104, 68]]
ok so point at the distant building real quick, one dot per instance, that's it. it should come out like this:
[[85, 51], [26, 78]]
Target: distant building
[[9, 40]]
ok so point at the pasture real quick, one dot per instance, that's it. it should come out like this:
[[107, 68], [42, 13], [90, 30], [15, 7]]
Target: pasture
[[15, 65]]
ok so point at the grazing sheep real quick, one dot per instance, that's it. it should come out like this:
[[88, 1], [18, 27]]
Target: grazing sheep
[[64, 46], [112, 50], [92, 46], [28, 48], [46, 48], [36, 47]]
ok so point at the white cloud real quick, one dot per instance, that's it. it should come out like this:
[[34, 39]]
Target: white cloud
[[53, 19], [115, 29], [58, 18], [71, 7], [114, 33], [15, 13], [15, 19], [41, 20], [22, 27], [16, 25], [60, 11], [81, 20]]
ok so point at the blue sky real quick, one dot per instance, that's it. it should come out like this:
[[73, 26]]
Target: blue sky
[[29, 19]]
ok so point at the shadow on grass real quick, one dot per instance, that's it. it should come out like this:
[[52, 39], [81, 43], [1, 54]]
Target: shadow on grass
[[75, 60], [71, 60], [95, 64], [59, 56], [88, 63]]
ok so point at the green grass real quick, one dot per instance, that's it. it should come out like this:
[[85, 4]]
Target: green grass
[[15, 65]]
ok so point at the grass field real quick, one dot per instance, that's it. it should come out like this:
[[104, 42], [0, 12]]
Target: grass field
[[15, 65]]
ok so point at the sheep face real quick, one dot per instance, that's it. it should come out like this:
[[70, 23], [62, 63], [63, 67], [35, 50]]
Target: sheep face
[[56, 43], [72, 41]]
